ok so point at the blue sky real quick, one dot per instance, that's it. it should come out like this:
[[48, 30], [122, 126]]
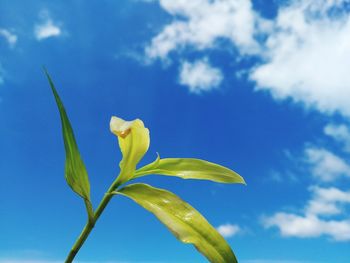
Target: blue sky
[[259, 86]]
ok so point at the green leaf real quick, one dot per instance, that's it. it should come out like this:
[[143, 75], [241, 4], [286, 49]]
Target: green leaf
[[185, 222], [189, 168], [75, 171]]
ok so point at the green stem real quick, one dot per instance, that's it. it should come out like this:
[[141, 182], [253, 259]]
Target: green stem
[[91, 223]]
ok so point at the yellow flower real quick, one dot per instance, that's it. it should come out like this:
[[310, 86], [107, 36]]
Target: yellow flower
[[134, 141]]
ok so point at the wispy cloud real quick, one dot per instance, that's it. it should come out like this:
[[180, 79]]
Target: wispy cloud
[[325, 165], [281, 176], [340, 133], [228, 230], [1, 74], [199, 76], [10, 37], [46, 28]]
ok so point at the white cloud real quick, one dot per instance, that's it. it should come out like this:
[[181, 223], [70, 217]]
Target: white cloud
[[307, 57], [200, 76], [291, 225], [47, 29], [327, 201], [325, 165], [304, 52], [228, 230], [340, 133], [203, 22], [316, 219], [10, 37], [326, 211], [320, 207]]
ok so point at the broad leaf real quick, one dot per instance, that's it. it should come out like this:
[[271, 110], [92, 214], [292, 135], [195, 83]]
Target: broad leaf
[[185, 222], [75, 171], [189, 168], [134, 141]]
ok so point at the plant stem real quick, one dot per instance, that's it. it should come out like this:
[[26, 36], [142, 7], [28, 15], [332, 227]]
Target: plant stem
[[91, 223]]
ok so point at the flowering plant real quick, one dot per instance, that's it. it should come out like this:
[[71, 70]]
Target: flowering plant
[[184, 221]]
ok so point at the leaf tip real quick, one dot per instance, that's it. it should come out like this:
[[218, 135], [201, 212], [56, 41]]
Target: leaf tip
[[242, 181]]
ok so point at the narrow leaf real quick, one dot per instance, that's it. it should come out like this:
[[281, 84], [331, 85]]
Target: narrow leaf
[[75, 171], [185, 222], [189, 168]]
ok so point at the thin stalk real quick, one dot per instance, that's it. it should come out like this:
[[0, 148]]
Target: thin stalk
[[91, 223]]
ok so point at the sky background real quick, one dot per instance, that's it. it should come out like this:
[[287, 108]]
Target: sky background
[[262, 87]]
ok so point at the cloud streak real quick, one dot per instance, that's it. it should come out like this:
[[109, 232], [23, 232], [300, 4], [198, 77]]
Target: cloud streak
[[339, 133], [10, 37], [325, 165]]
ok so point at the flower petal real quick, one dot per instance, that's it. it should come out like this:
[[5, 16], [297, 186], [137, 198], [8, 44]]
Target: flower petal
[[134, 141]]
